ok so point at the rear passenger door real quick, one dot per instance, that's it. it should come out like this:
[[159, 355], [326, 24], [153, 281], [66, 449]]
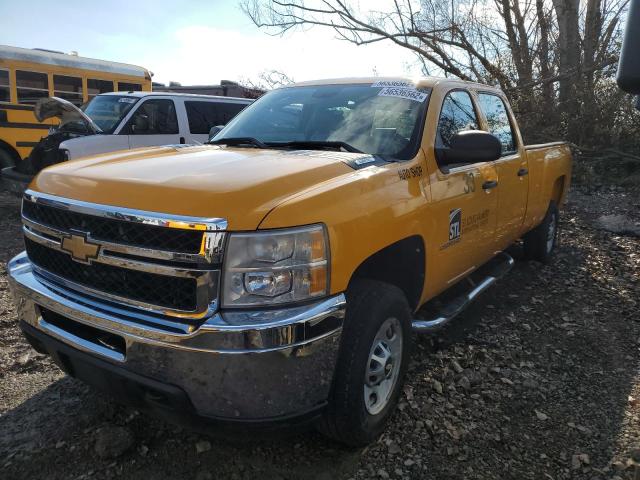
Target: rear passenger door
[[202, 115], [512, 168], [154, 122]]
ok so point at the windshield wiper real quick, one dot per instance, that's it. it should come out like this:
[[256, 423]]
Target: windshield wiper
[[238, 141], [316, 144]]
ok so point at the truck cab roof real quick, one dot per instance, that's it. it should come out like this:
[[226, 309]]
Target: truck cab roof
[[417, 82]]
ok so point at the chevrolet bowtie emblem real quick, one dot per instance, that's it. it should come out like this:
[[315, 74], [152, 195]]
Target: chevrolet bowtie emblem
[[79, 248]]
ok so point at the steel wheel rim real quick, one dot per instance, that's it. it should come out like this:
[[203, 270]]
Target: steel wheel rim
[[383, 366], [551, 233]]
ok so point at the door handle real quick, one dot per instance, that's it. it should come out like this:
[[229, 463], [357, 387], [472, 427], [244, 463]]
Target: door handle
[[489, 184], [182, 142], [523, 171]]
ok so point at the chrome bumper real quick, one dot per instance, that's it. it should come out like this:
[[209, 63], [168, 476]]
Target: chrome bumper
[[253, 365]]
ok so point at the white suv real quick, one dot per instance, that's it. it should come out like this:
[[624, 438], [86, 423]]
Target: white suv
[[141, 119], [120, 121]]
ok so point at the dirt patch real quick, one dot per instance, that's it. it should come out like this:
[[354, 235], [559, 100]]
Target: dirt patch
[[537, 380]]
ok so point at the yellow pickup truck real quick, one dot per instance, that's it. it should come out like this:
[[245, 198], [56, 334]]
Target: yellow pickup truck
[[276, 274]]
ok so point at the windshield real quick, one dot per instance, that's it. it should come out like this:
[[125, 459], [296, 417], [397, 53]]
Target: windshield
[[377, 118], [107, 110]]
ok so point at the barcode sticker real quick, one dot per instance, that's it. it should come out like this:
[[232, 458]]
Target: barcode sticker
[[393, 83], [408, 93]]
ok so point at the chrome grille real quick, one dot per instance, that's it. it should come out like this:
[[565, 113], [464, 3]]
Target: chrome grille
[[111, 230], [163, 290], [166, 264]]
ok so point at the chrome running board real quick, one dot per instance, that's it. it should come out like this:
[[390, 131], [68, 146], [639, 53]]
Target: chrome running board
[[495, 269]]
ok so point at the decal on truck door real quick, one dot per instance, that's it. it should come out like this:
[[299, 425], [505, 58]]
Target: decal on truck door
[[455, 228], [407, 173], [471, 222], [455, 220]]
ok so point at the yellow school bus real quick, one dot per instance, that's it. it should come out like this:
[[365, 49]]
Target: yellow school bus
[[27, 75]]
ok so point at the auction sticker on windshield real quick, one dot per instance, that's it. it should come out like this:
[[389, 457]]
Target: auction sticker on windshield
[[408, 93], [393, 83]]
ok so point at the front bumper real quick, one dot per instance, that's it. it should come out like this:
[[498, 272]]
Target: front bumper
[[252, 366]]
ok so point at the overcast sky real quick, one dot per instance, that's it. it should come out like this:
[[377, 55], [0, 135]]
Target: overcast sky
[[192, 41]]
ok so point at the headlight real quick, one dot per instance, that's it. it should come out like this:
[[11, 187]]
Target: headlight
[[273, 267]]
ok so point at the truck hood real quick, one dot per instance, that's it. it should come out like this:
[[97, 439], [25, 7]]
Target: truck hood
[[240, 184], [65, 111]]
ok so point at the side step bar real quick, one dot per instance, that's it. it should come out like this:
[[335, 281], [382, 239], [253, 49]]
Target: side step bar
[[495, 269]]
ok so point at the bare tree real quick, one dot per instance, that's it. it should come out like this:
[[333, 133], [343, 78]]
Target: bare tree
[[559, 50], [543, 52], [267, 80]]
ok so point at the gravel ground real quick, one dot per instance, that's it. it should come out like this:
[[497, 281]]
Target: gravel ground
[[538, 380]]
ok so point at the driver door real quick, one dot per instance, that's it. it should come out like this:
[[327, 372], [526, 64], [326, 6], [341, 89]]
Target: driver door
[[464, 196], [153, 123]]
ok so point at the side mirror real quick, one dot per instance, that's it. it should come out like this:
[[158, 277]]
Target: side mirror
[[472, 146], [214, 131], [629, 67]]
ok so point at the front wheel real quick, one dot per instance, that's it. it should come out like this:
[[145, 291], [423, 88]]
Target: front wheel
[[374, 354]]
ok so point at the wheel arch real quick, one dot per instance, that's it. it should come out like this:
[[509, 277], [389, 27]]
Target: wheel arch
[[558, 190], [402, 263]]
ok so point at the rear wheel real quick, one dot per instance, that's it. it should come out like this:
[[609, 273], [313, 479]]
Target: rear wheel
[[374, 354], [540, 243]]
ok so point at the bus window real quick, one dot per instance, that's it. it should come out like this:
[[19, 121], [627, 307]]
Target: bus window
[[31, 86], [69, 88], [129, 87], [96, 87], [4, 86]]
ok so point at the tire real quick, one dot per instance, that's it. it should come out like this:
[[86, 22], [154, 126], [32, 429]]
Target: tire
[[6, 159], [377, 317], [540, 243]]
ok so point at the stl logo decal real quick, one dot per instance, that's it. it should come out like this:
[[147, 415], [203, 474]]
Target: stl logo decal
[[455, 220]]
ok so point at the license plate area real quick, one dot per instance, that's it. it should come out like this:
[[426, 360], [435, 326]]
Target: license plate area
[[84, 336]]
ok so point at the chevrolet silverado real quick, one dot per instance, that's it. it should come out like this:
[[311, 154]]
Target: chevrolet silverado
[[276, 274]]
